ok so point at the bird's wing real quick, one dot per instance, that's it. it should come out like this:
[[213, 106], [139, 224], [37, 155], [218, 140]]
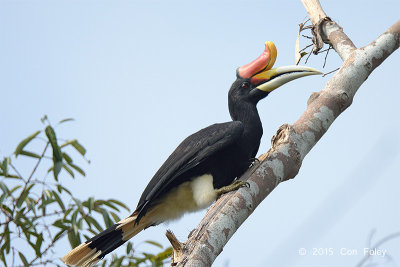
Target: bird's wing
[[191, 152]]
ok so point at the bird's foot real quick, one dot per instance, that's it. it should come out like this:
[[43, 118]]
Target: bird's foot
[[232, 187]]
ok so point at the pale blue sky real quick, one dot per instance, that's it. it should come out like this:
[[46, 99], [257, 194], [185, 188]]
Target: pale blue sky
[[139, 76]]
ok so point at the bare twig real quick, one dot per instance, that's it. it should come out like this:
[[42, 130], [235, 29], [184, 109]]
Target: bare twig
[[306, 47], [38, 162], [298, 53], [308, 37], [309, 54], [326, 56], [16, 171], [330, 72]]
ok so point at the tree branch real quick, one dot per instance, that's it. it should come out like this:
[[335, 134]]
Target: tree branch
[[314, 10], [331, 32], [292, 142]]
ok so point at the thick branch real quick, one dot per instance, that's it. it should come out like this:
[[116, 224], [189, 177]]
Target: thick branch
[[314, 10], [289, 147]]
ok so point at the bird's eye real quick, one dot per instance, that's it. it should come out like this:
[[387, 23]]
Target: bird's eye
[[245, 85]]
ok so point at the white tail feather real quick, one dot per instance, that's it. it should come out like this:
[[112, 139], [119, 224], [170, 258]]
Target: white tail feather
[[84, 256]]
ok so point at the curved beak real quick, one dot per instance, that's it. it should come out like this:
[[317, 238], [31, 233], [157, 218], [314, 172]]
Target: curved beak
[[265, 78], [269, 80]]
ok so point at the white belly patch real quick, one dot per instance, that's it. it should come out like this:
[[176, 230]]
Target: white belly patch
[[188, 197], [203, 191]]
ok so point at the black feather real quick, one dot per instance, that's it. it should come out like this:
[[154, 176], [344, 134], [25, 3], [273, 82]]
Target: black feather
[[106, 241]]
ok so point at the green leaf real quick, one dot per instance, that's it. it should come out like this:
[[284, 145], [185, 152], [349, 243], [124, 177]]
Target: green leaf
[[10, 176], [106, 218], [24, 142], [94, 222], [44, 118], [4, 165], [77, 202], [47, 193], [74, 240], [58, 235], [9, 211], [18, 216], [110, 205], [139, 260], [2, 256], [129, 247], [2, 197], [90, 204], [78, 147], [77, 169], [43, 207], [51, 136], [164, 254], [56, 169], [4, 188], [75, 228], [65, 120], [30, 202], [115, 217], [154, 243], [6, 241], [60, 224], [23, 259], [29, 154], [59, 201], [38, 244], [14, 189], [74, 217], [119, 203], [148, 256], [67, 157], [57, 155], [61, 188], [117, 262], [24, 195], [68, 170], [66, 213]]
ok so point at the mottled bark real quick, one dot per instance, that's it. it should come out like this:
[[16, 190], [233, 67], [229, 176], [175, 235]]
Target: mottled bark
[[292, 142]]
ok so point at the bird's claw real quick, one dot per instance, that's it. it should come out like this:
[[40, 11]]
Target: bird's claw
[[241, 184], [232, 187]]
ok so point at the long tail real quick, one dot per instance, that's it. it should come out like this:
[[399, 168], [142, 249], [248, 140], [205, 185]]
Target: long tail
[[94, 249]]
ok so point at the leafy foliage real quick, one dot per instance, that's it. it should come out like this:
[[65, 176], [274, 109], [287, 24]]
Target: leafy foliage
[[37, 213]]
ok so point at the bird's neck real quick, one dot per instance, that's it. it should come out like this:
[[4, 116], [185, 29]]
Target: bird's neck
[[247, 114]]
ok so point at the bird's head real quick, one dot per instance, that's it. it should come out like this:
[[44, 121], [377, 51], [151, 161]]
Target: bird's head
[[257, 79]]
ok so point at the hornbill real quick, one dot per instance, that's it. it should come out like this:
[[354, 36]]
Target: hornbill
[[205, 165]]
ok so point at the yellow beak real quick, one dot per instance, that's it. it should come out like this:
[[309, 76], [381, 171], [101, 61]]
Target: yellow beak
[[269, 80]]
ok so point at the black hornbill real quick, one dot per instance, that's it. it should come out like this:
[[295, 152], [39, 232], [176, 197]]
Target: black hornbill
[[205, 164]]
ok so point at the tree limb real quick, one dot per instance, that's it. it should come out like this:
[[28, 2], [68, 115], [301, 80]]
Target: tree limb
[[291, 143], [331, 33]]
